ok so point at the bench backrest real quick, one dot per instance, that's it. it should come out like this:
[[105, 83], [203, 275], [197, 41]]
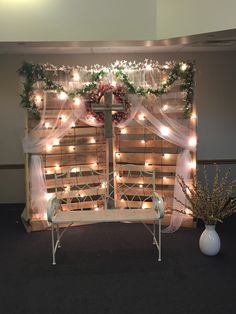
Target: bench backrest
[[86, 188]]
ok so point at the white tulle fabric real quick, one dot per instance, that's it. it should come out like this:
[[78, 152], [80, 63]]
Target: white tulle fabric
[[166, 124]]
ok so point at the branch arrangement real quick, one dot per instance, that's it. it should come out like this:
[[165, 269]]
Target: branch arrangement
[[211, 204]]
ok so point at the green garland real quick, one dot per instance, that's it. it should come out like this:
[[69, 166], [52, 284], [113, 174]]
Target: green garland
[[47, 74]]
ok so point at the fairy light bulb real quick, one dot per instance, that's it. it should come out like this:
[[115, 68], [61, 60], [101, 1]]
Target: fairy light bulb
[[192, 141], [183, 67], [72, 125], [96, 208], [56, 141], [57, 167], [188, 211], [76, 76], [192, 165], [141, 186], [74, 170], [63, 118], [146, 164], [47, 196], [103, 185], [164, 178], [123, 131], [148, 67], [164, 82], [122, 200], [71, 148], [47, 125], [38, 99], [143, 141], [62, 96], [118, 155], [166, 156], [49, 148], [165, 108], [77, 101], [193, 116], [165, 130], [94, 164], [67, 188], [113, 83], [143, 206], [141, 116], [92, 141]]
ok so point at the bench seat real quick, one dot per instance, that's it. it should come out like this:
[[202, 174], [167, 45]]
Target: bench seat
[[109, 215]]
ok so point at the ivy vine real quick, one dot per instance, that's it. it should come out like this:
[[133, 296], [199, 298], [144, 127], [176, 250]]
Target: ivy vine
[[48, 74]]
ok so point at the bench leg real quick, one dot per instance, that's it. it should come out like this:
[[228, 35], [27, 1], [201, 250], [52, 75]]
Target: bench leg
[[159, 240], [154, 232], [58, 237], [53, 246]]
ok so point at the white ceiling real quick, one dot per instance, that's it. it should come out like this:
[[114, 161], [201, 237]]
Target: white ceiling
[[217, 41]]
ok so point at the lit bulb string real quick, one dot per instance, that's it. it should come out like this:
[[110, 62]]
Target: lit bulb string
[[33, 73]]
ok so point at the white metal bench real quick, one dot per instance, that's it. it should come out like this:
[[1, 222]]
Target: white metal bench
[[127, 206]]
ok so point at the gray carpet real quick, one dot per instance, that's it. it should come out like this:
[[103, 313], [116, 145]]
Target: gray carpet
[[113, 268]]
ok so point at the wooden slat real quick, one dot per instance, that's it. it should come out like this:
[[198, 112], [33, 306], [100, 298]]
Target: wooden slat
[[148, 143], [154, 158]]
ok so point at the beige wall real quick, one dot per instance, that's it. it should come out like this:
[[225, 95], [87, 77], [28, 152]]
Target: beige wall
[[189, 17], [215, 98], [73, 20]]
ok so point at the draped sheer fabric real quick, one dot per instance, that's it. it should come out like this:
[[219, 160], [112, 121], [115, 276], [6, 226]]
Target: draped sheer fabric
[[166, 124]]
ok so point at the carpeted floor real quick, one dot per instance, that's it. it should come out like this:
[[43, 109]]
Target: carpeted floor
[[112, 268]]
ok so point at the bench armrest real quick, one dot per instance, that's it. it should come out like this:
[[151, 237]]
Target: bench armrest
[[158, 204], [53, 208]]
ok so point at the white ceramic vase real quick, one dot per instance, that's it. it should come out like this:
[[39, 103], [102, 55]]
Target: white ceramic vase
[[209, 241]]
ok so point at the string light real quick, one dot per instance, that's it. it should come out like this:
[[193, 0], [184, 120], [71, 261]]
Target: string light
[[193, 116], [77, 101], [47, 125], [38, 99], [103, 185], [188, 211], [57, 167], [141, 186], [93, 140], [62, 96], [166, 156], [56, 141], [48, 147], [165, 130], [192, 164], [164, 178], [183, 67], [123, 131], [122, 200], [71, 148], [192, 141], [67, 188], [148, 67], [118, 155], [72, 124], [96, 208], [63, 118], [76, 76], [165, 107], [143, 206], [48, 196], [141, 116], [146, 164], [143, 141], [74, 170], [94, 164]]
